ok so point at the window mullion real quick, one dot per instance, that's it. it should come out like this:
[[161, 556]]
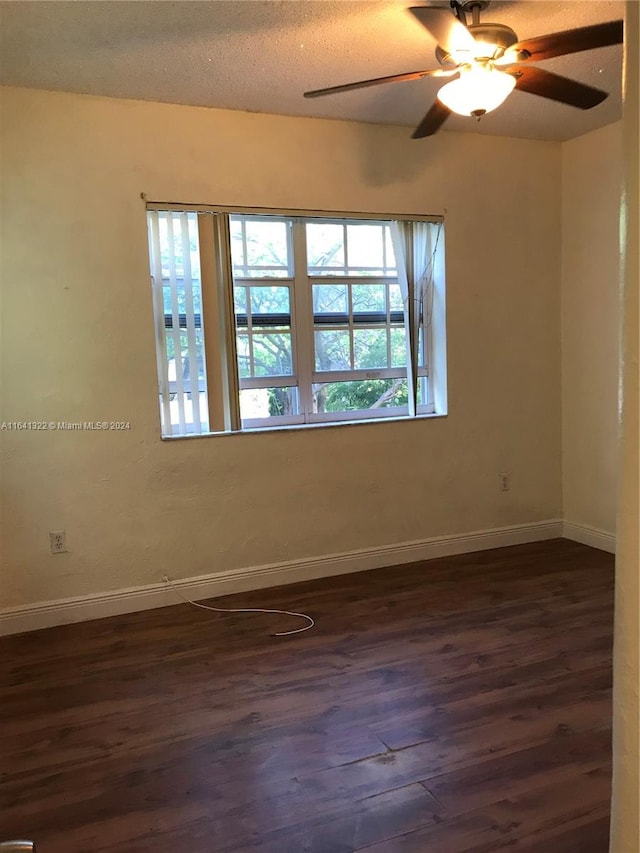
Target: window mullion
[[302, 319]]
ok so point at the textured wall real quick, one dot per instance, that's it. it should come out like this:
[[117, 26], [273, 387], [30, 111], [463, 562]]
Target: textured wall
[[591, 189], [78, 345]]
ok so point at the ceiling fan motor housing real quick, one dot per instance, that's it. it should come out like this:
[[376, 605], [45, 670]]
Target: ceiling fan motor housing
[[497, 37], [480, 5]]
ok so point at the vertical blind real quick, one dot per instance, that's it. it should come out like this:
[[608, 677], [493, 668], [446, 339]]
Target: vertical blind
[[177, 299]]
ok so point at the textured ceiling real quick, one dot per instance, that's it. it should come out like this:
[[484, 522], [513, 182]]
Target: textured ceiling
[[261, 56]]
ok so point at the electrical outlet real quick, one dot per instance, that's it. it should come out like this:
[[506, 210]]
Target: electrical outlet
[[57, 541], [504, 482]]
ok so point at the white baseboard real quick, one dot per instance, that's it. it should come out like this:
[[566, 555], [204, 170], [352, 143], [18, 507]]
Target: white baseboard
[[589, 536], [65, 611]]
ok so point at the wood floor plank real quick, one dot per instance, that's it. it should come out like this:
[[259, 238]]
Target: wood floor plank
[[591, 836], [550, 818], [466, 789], [361, 823], [514, 703], [445, 704]]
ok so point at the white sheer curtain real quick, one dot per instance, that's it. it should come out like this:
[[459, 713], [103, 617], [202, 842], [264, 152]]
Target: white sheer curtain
[[414, 246]]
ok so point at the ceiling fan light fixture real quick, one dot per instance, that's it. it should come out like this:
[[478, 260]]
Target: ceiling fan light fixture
[[475, 54], [492, 40], [487, 50], [479, 90]]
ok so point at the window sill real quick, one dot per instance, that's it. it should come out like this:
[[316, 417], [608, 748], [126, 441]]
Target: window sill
[[307, 427]]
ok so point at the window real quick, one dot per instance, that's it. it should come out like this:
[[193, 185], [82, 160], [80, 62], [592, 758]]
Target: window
[[268, 320]]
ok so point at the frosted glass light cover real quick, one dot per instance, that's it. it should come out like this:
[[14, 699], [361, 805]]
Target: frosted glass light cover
[[477, 91]]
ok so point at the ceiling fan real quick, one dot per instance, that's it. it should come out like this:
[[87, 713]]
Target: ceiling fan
[[486, 62]]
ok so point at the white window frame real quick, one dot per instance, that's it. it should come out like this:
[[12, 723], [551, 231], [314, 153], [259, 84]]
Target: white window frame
[[219, 323]]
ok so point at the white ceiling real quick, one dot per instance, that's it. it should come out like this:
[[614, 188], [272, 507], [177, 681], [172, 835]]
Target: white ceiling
[[261, 56]]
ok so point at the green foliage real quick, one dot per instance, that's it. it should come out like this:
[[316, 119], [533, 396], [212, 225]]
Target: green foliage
[[364, 394], [279, 401]]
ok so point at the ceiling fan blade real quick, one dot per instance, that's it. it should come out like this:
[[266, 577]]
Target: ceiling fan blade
[[445, 28], [537, 81], [377, 81], [570, 41], [432, 122]]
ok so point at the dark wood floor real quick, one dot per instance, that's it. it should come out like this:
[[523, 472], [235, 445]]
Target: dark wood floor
[[462, 704]]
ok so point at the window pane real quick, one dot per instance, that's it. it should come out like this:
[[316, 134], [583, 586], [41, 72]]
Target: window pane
[[268, 402], [329, 299], [272, 354], [325, 247], [421, 361], [267, 244], [244, 355], [391, 258], [264, 353], [364, 245], [398, 347], [237, 246], [240, 299], [395, 298], [370, 348], [264, 251], [358, 395], [166, 300], [423, 392], [270, 300], [333, 351], [369, 297]]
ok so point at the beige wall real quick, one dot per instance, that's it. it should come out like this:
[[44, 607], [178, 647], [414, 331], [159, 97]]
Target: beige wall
[[591, 187], [78, 345]]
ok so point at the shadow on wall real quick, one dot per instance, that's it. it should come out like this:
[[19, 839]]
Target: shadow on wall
[[390, 156]]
